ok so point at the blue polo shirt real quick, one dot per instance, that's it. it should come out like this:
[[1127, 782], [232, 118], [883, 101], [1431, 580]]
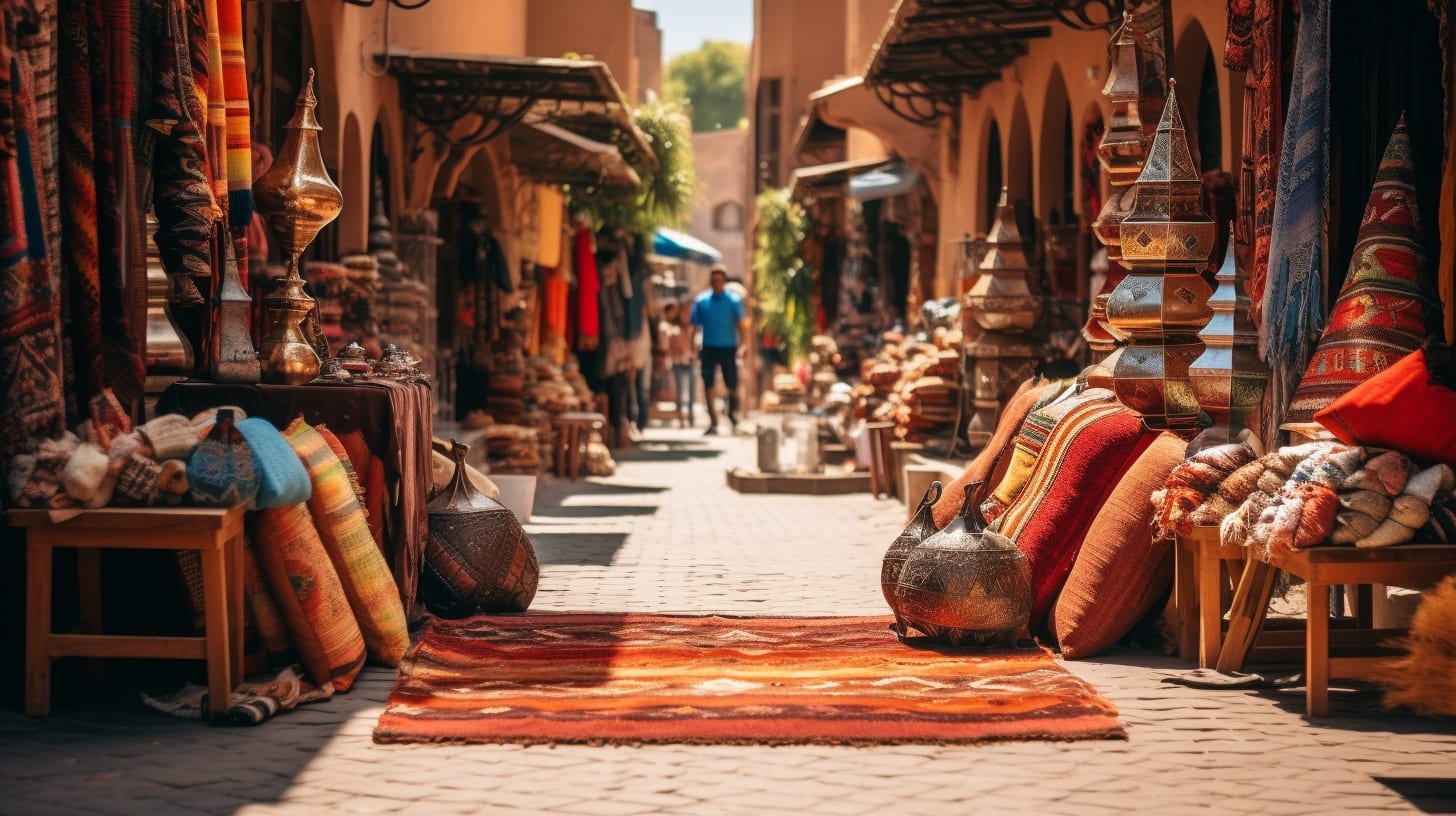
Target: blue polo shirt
[[719, 313]]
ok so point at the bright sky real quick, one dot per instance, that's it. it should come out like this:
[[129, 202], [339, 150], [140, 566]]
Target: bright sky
[[686, 23]]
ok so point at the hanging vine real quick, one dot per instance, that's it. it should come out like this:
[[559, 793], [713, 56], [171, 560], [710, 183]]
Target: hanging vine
[[669, 190], [783, 285]]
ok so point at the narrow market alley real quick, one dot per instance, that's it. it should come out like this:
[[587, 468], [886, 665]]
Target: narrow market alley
[[665, 535]]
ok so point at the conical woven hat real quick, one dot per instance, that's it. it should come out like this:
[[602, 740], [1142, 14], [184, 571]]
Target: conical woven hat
[[1381, 313]]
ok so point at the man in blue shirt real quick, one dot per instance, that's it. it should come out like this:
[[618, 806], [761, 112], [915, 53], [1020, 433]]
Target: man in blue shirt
[[719, 313]]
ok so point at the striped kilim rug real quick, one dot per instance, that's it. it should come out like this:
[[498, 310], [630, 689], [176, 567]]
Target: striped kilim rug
[[574, 678]]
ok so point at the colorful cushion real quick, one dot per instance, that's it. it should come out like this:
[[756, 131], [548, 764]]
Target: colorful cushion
[[370, 469], [220, 471], [979, 469], [368, 584], [307, 588], [1031, 438], [1394, 408], [171, 436], [263, 612], [282, 479], [1122, 570], [1084, 457]]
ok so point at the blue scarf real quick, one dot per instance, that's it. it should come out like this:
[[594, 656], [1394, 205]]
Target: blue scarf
[[1293, 307]]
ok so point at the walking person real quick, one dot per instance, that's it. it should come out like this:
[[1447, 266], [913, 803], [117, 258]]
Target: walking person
[[719, 314], [678, 338]]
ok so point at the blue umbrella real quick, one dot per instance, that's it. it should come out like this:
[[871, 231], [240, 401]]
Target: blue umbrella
[[673, 244]]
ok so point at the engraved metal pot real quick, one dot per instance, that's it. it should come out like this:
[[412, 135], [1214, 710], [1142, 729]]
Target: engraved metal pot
[[921, 527], [965, 585], [478, 558]]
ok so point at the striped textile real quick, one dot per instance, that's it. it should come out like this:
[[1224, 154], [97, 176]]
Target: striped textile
[[629, 679], [373, 595], [302, 580], [239, 119], [1085, 456], [1031, 439], [212, 91]]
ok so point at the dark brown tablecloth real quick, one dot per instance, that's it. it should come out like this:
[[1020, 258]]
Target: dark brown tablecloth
[[395, 420]]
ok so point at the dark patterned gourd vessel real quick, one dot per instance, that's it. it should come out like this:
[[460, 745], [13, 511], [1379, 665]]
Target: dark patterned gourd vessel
[[478, 557], [965, 585], [921, 527]]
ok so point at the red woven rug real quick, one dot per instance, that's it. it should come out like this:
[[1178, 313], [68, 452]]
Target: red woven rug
[[724, 680]]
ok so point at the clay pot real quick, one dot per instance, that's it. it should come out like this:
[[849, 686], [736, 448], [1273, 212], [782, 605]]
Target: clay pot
[[965, 585], [478, 557]]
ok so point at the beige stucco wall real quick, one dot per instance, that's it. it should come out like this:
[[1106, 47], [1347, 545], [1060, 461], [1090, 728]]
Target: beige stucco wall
[[603, 29], [724, 177], [800, 42], [495, 27]]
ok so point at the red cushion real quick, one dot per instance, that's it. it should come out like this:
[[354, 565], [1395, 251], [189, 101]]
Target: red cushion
[[1398, 408]]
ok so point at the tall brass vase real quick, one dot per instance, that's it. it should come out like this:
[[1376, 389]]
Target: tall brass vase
[[298, 198]]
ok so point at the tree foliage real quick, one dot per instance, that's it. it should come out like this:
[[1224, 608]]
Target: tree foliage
[[783, 285], [711, 81], [669, 190]]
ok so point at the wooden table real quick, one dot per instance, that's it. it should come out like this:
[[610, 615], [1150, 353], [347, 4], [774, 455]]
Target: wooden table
[[216, 534], [573, 433], [1415, 566]]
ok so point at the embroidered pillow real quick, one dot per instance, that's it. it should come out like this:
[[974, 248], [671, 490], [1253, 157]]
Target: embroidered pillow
[[979, 469]]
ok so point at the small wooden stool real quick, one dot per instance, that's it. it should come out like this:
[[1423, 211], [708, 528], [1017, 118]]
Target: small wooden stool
[[217, 534], [573, 432], [1198, 592], [882, 459]]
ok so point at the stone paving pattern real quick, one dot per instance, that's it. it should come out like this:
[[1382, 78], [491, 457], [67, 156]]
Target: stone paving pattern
[[666, 535]]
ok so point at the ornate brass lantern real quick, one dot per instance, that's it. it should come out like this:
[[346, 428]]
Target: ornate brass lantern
[[1229, 378], [1163, 301], [1121, 152], [299, 199]]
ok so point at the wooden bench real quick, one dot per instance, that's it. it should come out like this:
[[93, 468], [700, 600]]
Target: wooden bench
[[1415, 566], [216, 534]]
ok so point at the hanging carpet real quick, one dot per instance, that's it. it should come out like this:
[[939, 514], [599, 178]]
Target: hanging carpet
[[628, 679]]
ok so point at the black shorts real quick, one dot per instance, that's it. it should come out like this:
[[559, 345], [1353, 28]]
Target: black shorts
[[724, 358]]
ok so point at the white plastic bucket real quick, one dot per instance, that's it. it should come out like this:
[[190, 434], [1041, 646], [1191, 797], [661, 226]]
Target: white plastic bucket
[[517, 493]]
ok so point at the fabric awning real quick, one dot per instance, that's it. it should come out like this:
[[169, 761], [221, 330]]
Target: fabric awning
[[441, 90], [896, 178], [831, 177], [849, 103], [548, 154], [670, 243]]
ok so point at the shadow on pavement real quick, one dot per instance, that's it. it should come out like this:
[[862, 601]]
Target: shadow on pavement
[[578, 549], [1430, 795], [539, 516]]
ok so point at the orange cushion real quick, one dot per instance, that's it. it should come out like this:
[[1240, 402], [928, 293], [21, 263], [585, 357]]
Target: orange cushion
[[1121, 571], [310, 596], [371, 590], [1400, 408]]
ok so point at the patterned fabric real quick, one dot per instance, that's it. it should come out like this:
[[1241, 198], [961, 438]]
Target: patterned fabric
[[220, 472], [1272, 31], [1392, 409], [1382, 313], [303, 581], [371, 591], [239, 126], [1031, 438], [981, 467], [1238, 47], [182, 196], [32, 399], [1192, 484], [136, 481], [681, 679], [1122, 568], [1301, 208], [1085, 456], [251, 703], [262, 612]]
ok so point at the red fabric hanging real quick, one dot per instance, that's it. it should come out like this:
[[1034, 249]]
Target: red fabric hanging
[[588, 285]]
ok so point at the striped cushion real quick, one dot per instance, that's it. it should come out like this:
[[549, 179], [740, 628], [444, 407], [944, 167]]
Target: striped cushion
[[984, 464], [1084, 456], [1121, 570], [1030, 440], [309, 595], [371, 590]]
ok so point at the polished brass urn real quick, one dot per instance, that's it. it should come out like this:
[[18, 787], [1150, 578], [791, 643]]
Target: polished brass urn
[[1163, 301], [1229, 378], [298, 199]]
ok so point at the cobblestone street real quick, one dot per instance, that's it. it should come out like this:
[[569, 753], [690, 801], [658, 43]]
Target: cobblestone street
[[666, 535]]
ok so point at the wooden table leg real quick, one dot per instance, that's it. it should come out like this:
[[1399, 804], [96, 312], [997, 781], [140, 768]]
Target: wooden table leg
[[1186, 600], [1246, 614], [219, 653], [1210, 609], [37, 624], [1317, 651], [234, 550]]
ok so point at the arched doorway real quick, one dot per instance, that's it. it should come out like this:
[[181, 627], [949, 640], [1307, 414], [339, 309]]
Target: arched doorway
[[992, 177], [1198, 96], [1056, 192], [1019, 157]]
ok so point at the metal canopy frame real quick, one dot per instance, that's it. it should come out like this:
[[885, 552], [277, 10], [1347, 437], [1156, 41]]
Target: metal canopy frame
[[548, 154], [933, 51], [439, 90]]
